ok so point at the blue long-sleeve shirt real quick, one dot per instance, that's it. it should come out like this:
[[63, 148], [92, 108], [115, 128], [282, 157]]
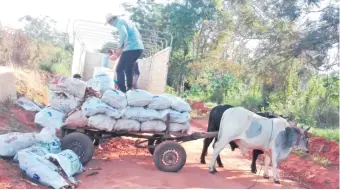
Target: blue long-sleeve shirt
[[130, 38]]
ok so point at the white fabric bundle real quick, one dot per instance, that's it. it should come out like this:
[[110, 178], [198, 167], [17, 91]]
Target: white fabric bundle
[[105, 78], [68, 161], [175, 116], [49, 117], [95, 106], [115, 98], [36, 167], [11, 143], [71, 85], [63, 101], [138, 97], [102, 122], [176, 127], [140, 114], [76, 119], [127, 125], [153, 125], [178, 103], [160, 102]]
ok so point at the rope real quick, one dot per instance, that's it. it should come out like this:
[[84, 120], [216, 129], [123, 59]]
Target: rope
[[258, 174]]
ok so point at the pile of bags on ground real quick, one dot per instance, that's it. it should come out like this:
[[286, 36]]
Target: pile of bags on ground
[[65, 95], [72, 104], [40, 157]]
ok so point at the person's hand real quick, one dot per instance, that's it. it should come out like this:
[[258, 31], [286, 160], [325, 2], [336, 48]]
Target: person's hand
[[119, 52], [114, 57]]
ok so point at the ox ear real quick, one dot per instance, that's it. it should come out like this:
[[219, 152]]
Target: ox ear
[[292, 136]]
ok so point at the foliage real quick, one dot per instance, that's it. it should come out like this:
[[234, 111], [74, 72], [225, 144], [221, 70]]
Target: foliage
[[47, 66], [43, 30], [39, 46], [331, 134], [262, 55]]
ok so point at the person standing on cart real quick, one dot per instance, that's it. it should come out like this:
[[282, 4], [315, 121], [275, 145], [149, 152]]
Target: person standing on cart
[[130, 49]]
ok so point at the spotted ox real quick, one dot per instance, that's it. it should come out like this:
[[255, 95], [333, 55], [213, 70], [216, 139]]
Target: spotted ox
[[214, 125], [248, 130]]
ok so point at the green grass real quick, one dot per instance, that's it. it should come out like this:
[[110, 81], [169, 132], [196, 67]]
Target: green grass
[[58, 68], [331, 134], [63, 69]]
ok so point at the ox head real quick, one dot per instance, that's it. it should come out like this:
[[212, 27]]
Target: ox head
[[297, 137]]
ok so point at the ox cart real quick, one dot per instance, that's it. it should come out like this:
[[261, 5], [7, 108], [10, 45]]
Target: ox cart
[[168, 154]]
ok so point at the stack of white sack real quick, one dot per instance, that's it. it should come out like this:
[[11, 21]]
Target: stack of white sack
[[11, 143], [137, 110], [152, 111], [37, 154], [101, 115], [65, 94]]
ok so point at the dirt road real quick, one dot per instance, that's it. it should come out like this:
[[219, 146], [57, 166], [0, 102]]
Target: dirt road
[[135, 169], [124, 166]]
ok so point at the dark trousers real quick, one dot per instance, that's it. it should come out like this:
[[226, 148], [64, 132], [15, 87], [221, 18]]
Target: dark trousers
[[124, 68]]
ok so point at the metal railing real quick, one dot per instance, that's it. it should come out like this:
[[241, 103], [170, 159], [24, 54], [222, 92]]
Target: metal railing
[[94, 35]]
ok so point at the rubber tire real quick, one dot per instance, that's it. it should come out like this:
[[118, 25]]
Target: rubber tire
[[84, 140], [164, 146], [152, 142]]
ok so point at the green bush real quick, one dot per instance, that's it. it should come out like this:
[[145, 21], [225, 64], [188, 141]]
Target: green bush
[[47, 66]]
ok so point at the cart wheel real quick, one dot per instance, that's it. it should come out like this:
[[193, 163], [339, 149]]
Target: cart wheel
[[80, 144], [153, 142], [169, 156]]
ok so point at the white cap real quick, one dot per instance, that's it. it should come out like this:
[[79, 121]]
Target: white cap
[[108, 17]]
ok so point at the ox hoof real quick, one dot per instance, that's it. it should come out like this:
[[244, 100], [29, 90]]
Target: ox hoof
[[203, 162], [277, 182], [254, 171], [266, 177], [221, 166], [213, 171]]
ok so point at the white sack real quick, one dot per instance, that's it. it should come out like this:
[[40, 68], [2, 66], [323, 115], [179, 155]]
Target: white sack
[[68, 161], [115, 98], [95, 106], [154, 125], [175, 116], [49, 117], [102, 122], [47, 139], [38, 150], [39, 169], [94, 84], [104, 77], [11, 143], [138, 97], [76, 119], [63, 101], [71, 85], [141, 114], [160, 102], [127, 125], [179, 127], [178, 103], [27, 104]]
